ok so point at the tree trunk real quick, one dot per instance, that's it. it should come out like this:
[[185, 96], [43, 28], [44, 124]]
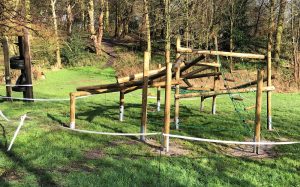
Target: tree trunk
[[57, 49], [279, 31], [91, 17], [232, 17], [100, 29], [70, 19], [107, 16]]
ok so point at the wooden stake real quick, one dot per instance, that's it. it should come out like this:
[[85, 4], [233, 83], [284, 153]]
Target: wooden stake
[[121, 115], [158, 93], [72, 110], [145, 94], [177, 88], [260, 75], [6, 66]]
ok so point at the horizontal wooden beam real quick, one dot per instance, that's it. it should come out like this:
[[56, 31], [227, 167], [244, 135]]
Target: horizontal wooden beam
[[138, 75], [194, 72], [251, 83], [222, 53], [216, 65], [221, 92], [204, 75]]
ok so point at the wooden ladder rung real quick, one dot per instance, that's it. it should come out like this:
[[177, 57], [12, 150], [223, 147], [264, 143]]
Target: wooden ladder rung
[[249, 108]]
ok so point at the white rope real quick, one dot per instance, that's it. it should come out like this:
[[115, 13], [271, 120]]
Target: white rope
[[17, 132], [228, 142], [112, 133], [3, 116], [13, 85], [182, 137], [44, 99]]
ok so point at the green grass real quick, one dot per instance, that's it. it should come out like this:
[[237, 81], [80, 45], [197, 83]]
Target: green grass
[[44, 154]]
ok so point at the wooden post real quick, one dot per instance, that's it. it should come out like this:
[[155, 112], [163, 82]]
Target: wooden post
[[269, 62], [216, 78], [145, 94], [121, 115], [177, 88], [202, 104], [269, 94], [260, 75], [72, 110], [6, 66], [27, 59], [168, 75], [158, 93]]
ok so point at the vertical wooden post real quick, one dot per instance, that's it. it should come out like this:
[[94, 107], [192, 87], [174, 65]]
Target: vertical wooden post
[[6, 66], [158, 93], [260, 83], [145, 94], [168, 75], [269, 63], [216, 78], [121, 114], [27, 59], [177, 87], [202, 104], [72, 110]]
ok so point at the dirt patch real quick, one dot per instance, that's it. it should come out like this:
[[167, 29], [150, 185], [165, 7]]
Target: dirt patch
[[176, 148], [11, 175], [246, 151], [76, 166], [122, 142], [94, 154]]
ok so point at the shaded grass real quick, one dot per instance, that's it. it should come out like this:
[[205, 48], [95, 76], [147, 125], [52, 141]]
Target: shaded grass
[[46, 155]]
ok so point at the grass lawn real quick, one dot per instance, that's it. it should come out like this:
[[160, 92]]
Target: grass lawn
[[44, 154]]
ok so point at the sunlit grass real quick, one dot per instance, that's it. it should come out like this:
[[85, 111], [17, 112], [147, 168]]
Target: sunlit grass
[[45, 154]]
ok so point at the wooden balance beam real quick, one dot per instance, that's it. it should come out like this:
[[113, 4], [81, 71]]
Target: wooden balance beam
[[222, 53], [221, 92]]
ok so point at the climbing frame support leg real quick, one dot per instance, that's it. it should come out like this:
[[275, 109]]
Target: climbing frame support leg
[[121, 115], [158, 93], [72, 110], [202, 104], [177, 91], [260, 75], [145, 95]]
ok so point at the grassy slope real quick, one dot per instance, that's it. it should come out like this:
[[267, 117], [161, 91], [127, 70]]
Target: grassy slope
[[45, 154]]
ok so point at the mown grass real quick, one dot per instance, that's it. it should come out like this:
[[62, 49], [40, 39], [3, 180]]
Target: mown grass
[[44, 154]]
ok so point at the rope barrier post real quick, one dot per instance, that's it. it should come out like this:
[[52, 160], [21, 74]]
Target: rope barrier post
[[260, 76], [158, 93], [6, 66], [177, 87], [122, 96], [72, 110], [16, 132], [145, 94]]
